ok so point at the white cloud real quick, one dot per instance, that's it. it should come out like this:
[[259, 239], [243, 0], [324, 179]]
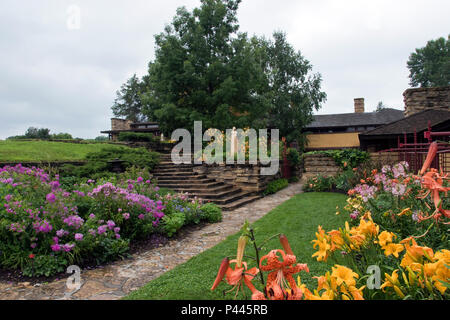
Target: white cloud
[[66, 79]]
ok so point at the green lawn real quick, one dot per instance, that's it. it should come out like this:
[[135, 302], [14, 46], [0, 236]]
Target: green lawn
[[298, 218], [16, 150]]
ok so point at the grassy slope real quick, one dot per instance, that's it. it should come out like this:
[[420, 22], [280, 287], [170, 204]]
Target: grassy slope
[[298, 218], [16, 151]]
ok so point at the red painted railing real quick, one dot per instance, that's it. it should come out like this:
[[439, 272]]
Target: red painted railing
[[415, 153]]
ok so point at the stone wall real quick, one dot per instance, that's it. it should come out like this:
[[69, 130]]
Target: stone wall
[[383, 158], [245, 176], [419, 99], [314, 164]]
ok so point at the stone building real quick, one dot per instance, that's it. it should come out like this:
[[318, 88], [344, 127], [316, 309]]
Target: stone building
[[123, 125], [424, 108], [336, 131]]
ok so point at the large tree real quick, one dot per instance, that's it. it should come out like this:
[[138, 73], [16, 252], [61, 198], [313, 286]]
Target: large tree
[[204, 69], [430, 66], [294, 91], [128, 103]]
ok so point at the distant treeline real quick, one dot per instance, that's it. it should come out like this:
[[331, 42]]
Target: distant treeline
[[44, 134]]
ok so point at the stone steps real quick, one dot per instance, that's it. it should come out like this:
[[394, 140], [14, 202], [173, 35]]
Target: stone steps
[[239, 203], [182, 178], [215, 190]]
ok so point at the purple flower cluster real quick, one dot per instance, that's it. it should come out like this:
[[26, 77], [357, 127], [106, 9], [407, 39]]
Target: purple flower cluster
[[139, 201], [365, 191], [74, 221]]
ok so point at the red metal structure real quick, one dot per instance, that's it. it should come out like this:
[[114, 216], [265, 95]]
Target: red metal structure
[[415, 153], [286, 168]]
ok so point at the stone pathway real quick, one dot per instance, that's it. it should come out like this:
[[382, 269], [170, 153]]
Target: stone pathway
[[120, 278]]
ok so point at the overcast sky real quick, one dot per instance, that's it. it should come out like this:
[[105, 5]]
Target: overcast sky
[[58, 76]]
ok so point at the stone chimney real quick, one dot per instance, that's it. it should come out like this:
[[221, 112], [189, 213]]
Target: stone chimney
[[420, 99], [359, 105], [120, 124]]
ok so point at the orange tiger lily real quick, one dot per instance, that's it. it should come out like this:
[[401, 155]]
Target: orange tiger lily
[[432, 183], [432, 151], [281, 275], [236, 277]]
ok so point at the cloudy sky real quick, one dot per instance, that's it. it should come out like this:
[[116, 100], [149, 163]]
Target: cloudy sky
[[56, 75]]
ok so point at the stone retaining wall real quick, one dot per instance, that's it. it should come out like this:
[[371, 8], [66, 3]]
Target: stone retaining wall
[[314, 164], [383, 158], [245, 176]]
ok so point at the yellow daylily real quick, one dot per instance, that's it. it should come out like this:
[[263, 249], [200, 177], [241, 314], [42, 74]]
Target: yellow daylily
[[385, 237], [344, 275], [392, 248]]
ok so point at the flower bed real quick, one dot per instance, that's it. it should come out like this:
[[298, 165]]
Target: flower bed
[[44, 228], [393, 246]]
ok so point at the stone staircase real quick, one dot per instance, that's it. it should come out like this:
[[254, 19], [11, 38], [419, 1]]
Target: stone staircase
[[182, 178]]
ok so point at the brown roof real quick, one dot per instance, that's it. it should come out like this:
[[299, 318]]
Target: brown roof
[[356, 119], [416, 122], [131, 130]]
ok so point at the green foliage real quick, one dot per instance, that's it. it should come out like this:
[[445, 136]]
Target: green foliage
[[33, 133], [111, 249], [61, 136], [430, 66], [211, 212], [345, 158], [294, 93], [172, 223], [319, 183], [293, 157], [275, 186], [42, 134], [101, 138], [97, 165], [128, 102], [205, 70], [137, 137], [44, 265]]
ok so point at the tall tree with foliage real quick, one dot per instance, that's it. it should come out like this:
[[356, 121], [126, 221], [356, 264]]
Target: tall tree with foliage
[[430, 66], [294, 92], [128, 103], [204, 69]]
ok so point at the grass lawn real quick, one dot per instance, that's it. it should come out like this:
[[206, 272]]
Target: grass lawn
[[16, 150], [297, 218]]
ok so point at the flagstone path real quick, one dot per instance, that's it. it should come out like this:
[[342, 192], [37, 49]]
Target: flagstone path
[[118, 279]]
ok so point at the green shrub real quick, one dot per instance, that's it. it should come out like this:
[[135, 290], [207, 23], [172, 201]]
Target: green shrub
[[275, 186], [293, 157], [345, 180], [45, 265], [319, 183], [137, 137], [98, 165], [345, 158], [172, 223], [211, 212]]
